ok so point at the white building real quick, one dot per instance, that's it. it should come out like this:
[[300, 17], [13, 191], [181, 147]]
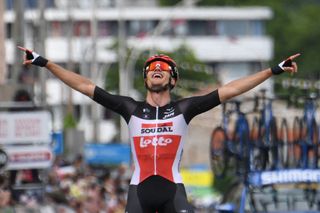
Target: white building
[[230, 39]]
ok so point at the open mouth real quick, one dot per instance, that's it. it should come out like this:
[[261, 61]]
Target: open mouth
[[157, 75]]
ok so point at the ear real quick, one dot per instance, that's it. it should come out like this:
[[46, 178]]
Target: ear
[[172, 81]]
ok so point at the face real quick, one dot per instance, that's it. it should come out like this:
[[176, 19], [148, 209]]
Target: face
[[158, 76]]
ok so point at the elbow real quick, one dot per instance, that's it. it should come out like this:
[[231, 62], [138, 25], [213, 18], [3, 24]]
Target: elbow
[[227, 93], [87, 90]]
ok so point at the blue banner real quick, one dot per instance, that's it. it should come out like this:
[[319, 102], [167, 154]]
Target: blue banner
[[107, 154], [284, 176], [57, 143]]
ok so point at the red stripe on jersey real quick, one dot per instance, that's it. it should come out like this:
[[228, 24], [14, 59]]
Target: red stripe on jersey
[[156, 125]]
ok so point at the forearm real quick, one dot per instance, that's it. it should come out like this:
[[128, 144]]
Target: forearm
[[242, 85], [72, 79]]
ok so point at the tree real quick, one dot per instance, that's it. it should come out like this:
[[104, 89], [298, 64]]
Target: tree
[[294, 28]]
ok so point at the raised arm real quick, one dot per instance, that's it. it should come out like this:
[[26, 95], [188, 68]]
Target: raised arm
[[242, 85], [70, 78]]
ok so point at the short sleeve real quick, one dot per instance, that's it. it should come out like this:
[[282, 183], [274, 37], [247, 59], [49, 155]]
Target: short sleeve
[[120, 104]]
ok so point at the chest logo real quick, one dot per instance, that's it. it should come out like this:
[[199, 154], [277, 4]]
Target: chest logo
[[156, 128], [155, 141], [168, 113]]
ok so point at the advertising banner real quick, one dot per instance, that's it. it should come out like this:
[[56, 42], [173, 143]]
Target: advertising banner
[[28, 157], [57, 143], [197, 178], [107, 154], [25, 127], [284, 176]]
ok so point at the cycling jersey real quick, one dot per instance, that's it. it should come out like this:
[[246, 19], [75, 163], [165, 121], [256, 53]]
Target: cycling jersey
[[157, 134]]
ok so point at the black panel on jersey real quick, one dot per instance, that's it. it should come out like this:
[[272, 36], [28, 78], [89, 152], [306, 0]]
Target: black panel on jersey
[[126, 106], [123, 105], [196, 105], [148, 112]]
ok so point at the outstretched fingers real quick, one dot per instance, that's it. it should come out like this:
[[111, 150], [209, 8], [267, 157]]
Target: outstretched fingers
[[294, 67], [294, 56], [26, 60], [22, 48]]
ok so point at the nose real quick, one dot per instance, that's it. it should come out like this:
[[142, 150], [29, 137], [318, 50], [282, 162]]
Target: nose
[[158, 69]]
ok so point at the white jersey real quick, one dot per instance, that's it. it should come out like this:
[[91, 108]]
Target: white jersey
[[157, 134]]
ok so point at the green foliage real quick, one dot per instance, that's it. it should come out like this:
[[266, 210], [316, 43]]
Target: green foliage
[[226, 2], [305, 31], [168, 2], [112, 78], [294, 29], [69, 121]]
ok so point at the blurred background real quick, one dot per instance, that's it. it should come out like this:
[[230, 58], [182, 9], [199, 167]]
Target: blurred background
[[60, 151]]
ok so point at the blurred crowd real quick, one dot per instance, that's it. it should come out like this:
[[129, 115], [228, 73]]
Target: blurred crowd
[[67, 187]]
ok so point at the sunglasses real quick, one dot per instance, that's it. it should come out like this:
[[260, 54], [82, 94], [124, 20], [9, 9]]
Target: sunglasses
[[159, 65]]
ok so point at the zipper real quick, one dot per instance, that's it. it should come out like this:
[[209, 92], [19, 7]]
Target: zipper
[[156, 144]]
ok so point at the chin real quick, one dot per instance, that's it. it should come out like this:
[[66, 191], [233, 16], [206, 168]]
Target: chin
[[158, 88]]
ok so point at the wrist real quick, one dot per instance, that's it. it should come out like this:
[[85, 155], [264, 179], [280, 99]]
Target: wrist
[[36, 59], [40, 61], [276, 70]]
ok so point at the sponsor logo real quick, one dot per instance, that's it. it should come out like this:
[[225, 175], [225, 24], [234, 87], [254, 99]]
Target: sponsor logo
[[157, 128], [285, 176], [145, 110], [168, 113], [155, 141]]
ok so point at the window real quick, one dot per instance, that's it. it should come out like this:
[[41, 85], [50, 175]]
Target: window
[[198, 27], [212, 27], [140, 28], [103, 28], [9, 4], [133, 28], [105, 3], [9, 28], [107, 28], [31, 4], [239, 28], [179, 27], [258, 27], [57, 29], [50, 3], [81, 28]]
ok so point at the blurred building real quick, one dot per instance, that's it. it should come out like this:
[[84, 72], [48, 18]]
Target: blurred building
[[230, 39]]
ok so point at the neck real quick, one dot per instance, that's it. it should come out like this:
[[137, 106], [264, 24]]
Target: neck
[[158, 98]]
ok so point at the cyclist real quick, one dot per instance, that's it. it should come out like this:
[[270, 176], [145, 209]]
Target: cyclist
[[157, 126]]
